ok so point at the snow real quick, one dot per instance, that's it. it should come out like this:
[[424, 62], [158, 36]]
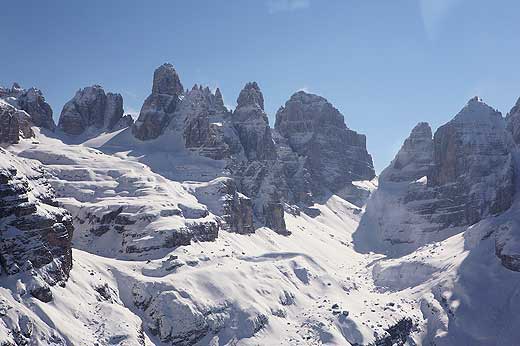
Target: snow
[[313, 287]]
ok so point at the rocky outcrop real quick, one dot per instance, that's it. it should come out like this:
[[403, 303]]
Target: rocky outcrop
[[238, 210], [35, 235], [14, 124], [334, 155], [158, 108], [513, 122], [32, 102], [472, 173], [415, 158], [252, 125], [91, 108], [207, 127], [435, 187]]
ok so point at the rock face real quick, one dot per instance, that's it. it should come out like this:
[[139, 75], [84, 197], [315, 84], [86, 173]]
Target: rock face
[[435, 187], [252, 125], [513, 121], [9, 126], [158, 108], [32, 102], [415, 158], [207, 126], [91, 107], [334, 155], [14, 124], [34, 233], [473, 167]]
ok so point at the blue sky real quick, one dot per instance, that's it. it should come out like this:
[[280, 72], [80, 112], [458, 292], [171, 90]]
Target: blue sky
[[386, 65]]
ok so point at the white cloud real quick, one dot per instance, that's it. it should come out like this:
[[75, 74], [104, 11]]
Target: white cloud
[[274, 6], [433, 13]]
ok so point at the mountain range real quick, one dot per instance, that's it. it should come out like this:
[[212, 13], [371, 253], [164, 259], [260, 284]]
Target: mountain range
[[199, 225]]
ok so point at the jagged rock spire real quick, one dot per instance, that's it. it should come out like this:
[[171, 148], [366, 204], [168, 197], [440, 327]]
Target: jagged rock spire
[[251, 96], [158, 108], [91, 107], [166, 81], [415, 158]]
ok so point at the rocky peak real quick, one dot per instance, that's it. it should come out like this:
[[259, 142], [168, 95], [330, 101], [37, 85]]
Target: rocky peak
[[252, 124], [251, 96], [415, 158], [158, 108], [218, 98], [335, 155], [91, 107], [166, 81], [475, 135], [32, 102]]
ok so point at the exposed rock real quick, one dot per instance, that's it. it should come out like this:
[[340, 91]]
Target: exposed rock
[[415, 158], [274, 217], [34, 233], [207, 126], [32, 102], [473, 167], [334, 155], [14, 124], [507, 245], [252, 125], [91, 107], [238, 210], [428, 194], [158, 108], [513, 121], [9, 126]]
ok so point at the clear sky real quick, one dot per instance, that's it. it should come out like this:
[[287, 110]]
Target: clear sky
[[385, 64]]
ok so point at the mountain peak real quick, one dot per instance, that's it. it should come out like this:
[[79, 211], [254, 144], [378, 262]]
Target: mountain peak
[[166, 80], [250, 96]]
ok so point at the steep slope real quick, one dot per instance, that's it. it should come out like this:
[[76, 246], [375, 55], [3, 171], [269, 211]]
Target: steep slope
[[436, 187]]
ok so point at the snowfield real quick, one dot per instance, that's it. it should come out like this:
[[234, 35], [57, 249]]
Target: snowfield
[[130, 285]]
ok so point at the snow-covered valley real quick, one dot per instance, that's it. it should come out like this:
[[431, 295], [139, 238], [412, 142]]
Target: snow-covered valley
[[200, 226]]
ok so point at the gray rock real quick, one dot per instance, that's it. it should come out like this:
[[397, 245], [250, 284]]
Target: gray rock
[[473, 167], [33, 102], [91, 107], [513, 121], [34, 233], [9, 125], [207, 127], [238, 210], [438, 187], [415, 158], [157, 110], [334, 155], [252, 125]]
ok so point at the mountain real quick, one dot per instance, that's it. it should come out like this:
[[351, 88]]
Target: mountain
[[91, 108], [200, 225]]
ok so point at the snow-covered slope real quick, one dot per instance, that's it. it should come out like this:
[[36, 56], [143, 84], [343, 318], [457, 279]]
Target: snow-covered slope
[[201, 226]]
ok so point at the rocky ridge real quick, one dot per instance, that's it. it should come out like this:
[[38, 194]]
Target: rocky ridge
[[436, 186], [32, 102], [92, 108]]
